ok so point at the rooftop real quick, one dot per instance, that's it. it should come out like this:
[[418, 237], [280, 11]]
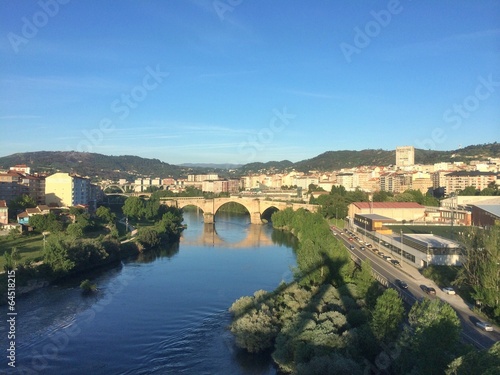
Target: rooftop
[[363, 205], [377, 217], [490, 208]]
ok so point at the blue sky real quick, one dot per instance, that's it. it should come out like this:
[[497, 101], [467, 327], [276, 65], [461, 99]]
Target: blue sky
[[239, 81]]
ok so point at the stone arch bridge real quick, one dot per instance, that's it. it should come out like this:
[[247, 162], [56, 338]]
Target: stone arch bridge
[[255, 206]]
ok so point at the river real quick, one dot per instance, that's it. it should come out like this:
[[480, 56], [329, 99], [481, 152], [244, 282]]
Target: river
[[165, 312]]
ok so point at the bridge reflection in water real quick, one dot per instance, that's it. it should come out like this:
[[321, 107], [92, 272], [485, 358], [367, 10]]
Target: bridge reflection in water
[[256, 236]]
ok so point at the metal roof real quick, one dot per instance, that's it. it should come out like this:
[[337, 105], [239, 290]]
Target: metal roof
[[491, 208], [378, 205]]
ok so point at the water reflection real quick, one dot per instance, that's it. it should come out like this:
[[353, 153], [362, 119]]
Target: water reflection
[[233, 231], [164, 251], [164, 312]]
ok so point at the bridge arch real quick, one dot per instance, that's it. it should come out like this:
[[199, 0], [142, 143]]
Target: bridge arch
[[220, 204], [254, 206], [119, 187]]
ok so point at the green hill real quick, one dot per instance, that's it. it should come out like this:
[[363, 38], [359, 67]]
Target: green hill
[[93, 165], [130, 167]]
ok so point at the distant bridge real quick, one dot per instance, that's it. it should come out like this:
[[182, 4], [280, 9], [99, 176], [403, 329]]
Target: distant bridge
[[256, 207]]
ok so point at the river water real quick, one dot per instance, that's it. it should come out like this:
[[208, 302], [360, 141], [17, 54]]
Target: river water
[[163, 313]]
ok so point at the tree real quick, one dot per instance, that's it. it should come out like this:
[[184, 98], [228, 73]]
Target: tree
[[469, 191], [11, 258], [56, 255], [404, 197], [42, 223], [19, 204], [387, 316], [105, 214], [74, 230], [481, 268], [148, 237], [382, 196], [363, 277], [486, 362], [435, 325], [417, 195], [133, 207]]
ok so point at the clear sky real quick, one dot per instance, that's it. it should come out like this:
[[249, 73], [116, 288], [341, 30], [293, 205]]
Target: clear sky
[[238, 81]]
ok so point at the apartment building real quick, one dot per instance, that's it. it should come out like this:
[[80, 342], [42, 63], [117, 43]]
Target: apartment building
[[202, 177], [395, 182], [11, 186], [21, 168], [65, 190], [221, 186], [459, 180]]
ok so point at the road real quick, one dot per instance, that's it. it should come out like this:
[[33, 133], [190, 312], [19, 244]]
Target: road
[[387, 273]]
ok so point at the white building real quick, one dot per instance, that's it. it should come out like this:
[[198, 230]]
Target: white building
[[405, 156]]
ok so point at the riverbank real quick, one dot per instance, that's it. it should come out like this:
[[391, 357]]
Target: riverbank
[[164, 311]]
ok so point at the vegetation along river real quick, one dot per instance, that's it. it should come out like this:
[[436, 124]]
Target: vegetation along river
[[165, 312]]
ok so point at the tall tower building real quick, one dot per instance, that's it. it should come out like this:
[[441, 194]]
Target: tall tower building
[[405, 155]]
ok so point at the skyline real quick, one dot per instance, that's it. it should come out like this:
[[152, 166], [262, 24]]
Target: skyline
[[239, 82]]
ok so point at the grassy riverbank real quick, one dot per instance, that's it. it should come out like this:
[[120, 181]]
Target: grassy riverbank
[[334, 317]]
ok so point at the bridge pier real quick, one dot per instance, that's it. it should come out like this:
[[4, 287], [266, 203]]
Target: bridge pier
[[255, 218], [208, 218]]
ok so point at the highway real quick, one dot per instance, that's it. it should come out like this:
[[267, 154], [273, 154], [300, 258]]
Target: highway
[[386, 273]]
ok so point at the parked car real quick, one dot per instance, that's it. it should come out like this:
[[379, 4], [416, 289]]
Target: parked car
[[401, 284], [449, 290], [369, 245], [428, 289], [484, 326], [388, 258], [395, 262], [362, 248], [381, 254]]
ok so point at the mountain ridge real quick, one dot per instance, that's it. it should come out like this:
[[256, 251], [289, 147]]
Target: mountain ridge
[[129, 166]]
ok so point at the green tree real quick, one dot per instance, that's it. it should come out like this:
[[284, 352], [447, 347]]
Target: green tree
[[429, 200], [19, 204], [363, 278], [417, 195], [11, 258], [481, 268], [57, 256], [74, 230], [105, 214], [404, 197], [435, 325], [148, 237], [133, 207], [382, 196], [49, 222], [469, 191], [485, 362], [387, 316]]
